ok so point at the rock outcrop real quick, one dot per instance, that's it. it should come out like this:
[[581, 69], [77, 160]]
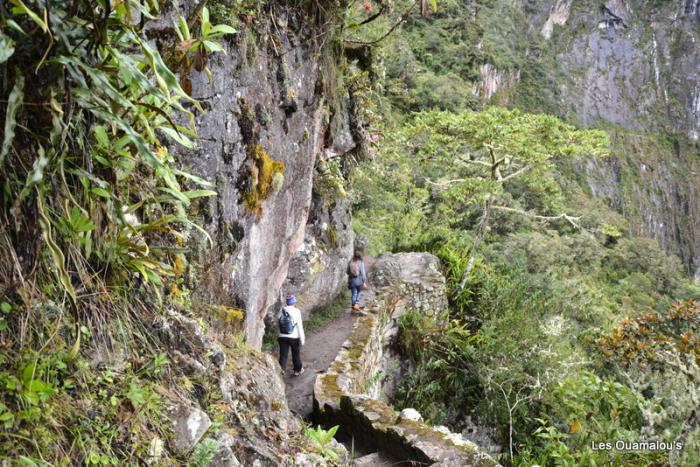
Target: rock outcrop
[[254, 423], [189, 425], [266, 104]]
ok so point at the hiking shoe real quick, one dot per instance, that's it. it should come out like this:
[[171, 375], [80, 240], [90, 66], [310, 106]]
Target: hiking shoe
[[356, 307], [297, 373]]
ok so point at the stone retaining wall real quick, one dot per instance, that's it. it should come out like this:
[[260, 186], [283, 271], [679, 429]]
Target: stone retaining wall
[[348, 393], [406, 281]]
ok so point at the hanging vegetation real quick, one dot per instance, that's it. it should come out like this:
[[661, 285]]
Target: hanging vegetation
[[93, 218]]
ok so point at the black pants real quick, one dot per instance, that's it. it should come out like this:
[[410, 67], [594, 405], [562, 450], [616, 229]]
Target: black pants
[[285, 344]]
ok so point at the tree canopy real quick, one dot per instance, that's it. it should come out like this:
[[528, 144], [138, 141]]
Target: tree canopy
[[470, 156], [487, 149]]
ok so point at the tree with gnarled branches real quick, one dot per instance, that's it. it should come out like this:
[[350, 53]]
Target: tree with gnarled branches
[[474, 155]]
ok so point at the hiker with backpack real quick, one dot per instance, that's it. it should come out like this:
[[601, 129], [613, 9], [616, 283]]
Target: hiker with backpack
[[291, 335], [357, 279]]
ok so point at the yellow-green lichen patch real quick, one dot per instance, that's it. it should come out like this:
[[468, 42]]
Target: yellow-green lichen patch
[[327, 392], [276, 405], [329, 384], [332, 237], [359, 340], [266, 177]]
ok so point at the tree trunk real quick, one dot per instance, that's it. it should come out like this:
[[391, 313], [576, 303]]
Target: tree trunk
[[480, 233]]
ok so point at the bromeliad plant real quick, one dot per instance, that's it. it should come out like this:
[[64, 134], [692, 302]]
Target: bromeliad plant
[[196, 50], [87, 180], [93, 215], [322, 439]]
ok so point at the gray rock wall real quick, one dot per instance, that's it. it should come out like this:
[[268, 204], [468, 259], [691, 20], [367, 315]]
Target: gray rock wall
[[267, 91], [629, 62], [317, 269]]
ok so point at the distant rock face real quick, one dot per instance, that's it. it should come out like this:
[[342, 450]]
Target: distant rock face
[[632, 64], [493, 80], [266, 95], [628, 62], [558, 15], [658, 190]]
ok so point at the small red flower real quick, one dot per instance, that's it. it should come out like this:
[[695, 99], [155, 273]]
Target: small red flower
[[367, 6]]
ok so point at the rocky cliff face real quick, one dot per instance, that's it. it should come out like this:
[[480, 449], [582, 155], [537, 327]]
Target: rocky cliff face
[[273, 130], [656, 186], [628, 62], [630, 66], [266, 104]]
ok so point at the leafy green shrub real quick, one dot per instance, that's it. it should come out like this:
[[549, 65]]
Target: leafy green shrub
[[321, 438], [204, 452], [94, 211], [102, 185]]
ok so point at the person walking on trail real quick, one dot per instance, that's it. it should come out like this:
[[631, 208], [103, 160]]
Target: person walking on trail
[[291, 335], [357, 279]]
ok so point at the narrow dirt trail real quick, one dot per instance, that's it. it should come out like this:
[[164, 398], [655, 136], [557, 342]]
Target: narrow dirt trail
[[317, 354]]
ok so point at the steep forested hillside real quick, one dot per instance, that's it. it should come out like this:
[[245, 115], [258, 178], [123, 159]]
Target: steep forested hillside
[[574, 322], [626, 66]]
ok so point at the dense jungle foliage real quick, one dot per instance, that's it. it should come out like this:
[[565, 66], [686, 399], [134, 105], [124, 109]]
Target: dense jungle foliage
[[564, 330], [94, 217]]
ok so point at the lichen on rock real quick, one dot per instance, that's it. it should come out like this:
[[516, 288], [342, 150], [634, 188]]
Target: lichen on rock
[[266, 177]]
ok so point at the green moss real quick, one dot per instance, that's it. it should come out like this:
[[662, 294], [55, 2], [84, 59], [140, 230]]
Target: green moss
[[262, 115], [246, 122], [222, 12], [263, 170], [328, 181]]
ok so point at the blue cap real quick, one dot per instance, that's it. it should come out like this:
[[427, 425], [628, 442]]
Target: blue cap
[[291, 299]]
